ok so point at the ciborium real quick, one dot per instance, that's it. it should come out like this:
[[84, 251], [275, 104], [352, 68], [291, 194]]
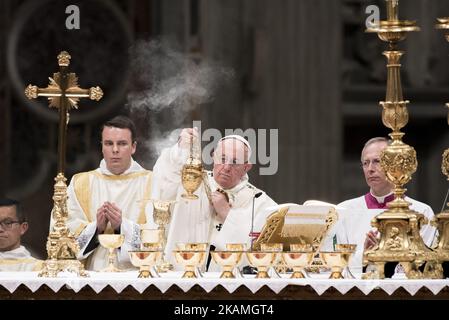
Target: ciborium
[[145, 260], [191, 260], [399, 226], [228, 260], [337, 261], [299, 257], [262, 261], [162, 216], [111, 242]]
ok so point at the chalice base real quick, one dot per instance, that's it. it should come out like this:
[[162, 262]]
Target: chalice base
[[297, 275], [144, 272], [262, 274], [52, 267], [189, 196], [189, 274], [227, 274], [336, 274]]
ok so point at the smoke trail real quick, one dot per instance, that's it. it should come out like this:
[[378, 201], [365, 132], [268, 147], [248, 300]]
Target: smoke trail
[[167, 85]]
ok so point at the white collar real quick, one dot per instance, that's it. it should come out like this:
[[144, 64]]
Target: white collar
[[134, 167], [380, 199]]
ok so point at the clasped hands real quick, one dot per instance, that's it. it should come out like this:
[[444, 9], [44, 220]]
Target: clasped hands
[[108, 212]]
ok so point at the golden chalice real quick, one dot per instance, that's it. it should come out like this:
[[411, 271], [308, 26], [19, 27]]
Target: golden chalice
[[145, 260], [299, 257], [191, 260], [161, 216], [227, 260], [262, 261], [338, 260], [111, 242], [191, 177]]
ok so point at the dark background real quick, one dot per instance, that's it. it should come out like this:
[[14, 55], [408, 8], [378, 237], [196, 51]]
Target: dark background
[[304, 67]]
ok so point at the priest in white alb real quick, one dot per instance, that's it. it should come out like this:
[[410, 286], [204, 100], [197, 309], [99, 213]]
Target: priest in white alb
[[13, 225], [355, 226], [110, 198], [223, 213]]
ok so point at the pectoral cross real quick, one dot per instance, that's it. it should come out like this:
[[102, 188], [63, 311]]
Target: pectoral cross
[[63, 94]]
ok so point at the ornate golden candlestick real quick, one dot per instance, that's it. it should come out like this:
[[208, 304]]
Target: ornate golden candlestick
[[441, 220], [63, 94], [399, 226]]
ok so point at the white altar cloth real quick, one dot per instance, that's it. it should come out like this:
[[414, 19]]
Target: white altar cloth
[[119, 281]]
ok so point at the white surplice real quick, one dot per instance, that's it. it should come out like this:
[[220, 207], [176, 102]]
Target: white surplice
[[89, 190], [19, 259], [355, 222], [195, 220]]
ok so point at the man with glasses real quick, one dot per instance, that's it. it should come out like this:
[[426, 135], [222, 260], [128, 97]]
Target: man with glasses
[[223, 212], [13, 225], [109, 198], [356, 225]]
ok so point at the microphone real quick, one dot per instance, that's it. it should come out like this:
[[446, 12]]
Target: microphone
[[257, 195]]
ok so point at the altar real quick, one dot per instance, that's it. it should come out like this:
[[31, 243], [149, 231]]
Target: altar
[[170, 286]]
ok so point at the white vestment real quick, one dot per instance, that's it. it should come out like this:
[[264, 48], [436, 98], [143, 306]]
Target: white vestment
[[89, 190], [355, 223], [195, 220], [19, 259]]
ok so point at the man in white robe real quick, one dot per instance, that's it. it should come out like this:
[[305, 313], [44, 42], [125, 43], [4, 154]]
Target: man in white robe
[[110, 198], [355, 225], [224, 211], [13, 224]]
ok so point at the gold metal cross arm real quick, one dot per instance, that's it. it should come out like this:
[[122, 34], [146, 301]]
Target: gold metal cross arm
[[62, 86]]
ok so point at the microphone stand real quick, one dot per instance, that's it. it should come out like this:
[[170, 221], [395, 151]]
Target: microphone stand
[[257, 195]]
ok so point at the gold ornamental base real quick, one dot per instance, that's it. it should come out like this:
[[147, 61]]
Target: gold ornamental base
[[401, 242], [51, 268]]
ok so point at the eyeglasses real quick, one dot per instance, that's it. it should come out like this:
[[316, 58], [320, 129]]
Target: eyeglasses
[[7, 224], [374, 163]]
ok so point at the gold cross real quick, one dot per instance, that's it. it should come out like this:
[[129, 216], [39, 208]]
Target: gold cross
[[63, 86], [63, 93]]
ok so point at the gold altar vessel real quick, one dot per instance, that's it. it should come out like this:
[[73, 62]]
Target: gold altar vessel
[[192, 172], [192, 257], [63, 94], [162, 216], [111, 242], [441, 220], [145, 260], [399, 226]]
